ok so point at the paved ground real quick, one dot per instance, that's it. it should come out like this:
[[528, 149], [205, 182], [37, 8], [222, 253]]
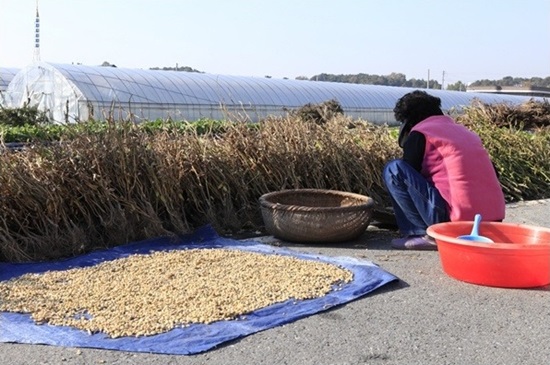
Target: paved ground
[[424, 318]]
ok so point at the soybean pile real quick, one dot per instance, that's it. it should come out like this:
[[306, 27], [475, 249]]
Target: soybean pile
[[143, 295]]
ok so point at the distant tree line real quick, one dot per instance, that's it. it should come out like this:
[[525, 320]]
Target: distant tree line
[[393, 79], [399, 79], [177, 68], [515, 81]]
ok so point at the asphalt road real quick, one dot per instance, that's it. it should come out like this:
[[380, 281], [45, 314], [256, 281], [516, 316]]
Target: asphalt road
[[424, 318]]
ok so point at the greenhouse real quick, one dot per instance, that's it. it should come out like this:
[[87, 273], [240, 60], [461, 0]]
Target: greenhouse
[[6, 75], [72, 93]]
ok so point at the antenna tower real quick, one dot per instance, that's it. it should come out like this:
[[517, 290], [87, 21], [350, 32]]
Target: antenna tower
[[36, 56]]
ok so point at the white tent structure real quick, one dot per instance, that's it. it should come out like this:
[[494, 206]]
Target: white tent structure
[[72, 93]]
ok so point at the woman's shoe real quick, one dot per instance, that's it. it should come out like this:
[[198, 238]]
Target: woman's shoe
[[422, 243]]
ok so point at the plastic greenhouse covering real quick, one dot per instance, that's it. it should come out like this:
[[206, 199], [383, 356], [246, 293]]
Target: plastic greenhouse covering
[[6, 75], [72, 93]]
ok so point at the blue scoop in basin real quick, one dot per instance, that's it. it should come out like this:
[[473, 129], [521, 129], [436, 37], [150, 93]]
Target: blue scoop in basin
[[474, 236]]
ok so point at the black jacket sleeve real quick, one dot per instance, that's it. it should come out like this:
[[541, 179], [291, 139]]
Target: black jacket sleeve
[[413, 150]]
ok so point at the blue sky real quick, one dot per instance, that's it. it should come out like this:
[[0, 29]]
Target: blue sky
[[465, 40]]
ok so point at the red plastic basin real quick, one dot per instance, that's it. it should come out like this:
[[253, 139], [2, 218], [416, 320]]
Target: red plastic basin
[[519, 258]]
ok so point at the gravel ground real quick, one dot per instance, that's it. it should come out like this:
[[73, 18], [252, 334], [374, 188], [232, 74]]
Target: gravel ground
[[424, 318]]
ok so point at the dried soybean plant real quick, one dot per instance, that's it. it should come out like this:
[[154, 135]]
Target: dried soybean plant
[[125, 183], [522, 159], [338, 155], [84, 193], [531, 115], [517, 138]]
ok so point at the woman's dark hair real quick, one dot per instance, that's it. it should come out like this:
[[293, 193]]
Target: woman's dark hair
[[414, 107]]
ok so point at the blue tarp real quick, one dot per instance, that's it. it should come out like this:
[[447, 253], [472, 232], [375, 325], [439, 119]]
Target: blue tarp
[[19, 328]]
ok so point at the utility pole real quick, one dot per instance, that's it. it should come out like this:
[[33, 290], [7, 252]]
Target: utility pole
[[443, 80], [428, 83]]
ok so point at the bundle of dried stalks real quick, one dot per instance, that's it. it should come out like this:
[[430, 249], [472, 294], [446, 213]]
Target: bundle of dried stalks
[[518, 145], [522, 159], [532, 115], [100, 188], [123, 184]]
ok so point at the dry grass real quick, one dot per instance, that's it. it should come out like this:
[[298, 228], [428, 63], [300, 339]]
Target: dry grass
[[518, 140], [101, 189], [104, 189], [532, 115]]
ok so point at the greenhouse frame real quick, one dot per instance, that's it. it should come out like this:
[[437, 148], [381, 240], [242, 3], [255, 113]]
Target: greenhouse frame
[[73, 93], [6, 75]]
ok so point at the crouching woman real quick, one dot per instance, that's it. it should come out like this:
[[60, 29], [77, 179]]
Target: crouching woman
[[445, 173]]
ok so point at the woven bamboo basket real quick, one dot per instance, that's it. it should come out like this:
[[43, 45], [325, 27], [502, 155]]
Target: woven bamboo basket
[[316, 215]]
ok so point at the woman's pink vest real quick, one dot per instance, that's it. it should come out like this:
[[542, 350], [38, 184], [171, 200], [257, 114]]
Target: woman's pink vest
[[460, 168]]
